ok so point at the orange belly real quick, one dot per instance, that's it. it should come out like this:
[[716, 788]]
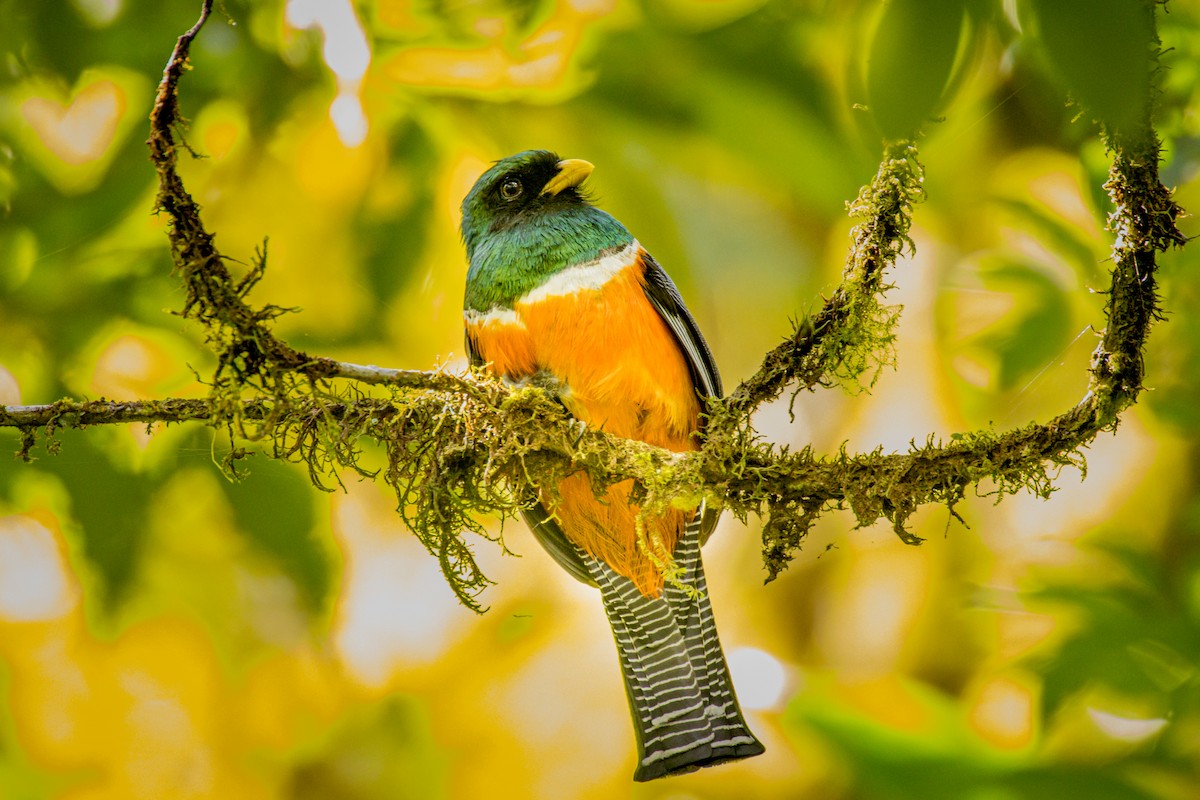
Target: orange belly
[[621, 371]]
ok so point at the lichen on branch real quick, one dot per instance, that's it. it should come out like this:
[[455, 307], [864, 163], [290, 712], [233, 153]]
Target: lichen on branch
[[851, 335], [462, 449]]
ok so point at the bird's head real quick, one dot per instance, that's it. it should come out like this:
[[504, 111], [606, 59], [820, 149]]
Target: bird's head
[[532, 185]]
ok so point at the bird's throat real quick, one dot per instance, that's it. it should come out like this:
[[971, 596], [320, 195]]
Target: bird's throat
[[511, 263]]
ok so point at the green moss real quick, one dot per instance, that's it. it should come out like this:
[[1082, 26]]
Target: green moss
[[460, 451], [850, 339]]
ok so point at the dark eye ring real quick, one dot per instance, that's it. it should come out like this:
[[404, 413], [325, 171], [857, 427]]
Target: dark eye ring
[[511, 189]]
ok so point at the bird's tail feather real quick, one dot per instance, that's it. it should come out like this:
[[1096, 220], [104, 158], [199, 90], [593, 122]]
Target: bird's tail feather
[[680, 695]]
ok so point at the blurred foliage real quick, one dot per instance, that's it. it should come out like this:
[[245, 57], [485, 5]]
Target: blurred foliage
[[1101, 51], [906, 81], [167, 633]]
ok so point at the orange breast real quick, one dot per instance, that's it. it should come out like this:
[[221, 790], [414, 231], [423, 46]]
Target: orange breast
[[621, 371]]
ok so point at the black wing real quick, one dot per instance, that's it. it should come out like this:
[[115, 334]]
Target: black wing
[[472, 354], [667, 301], [665, 298]]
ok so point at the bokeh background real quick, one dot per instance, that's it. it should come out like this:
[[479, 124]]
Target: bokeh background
[[168, 633]]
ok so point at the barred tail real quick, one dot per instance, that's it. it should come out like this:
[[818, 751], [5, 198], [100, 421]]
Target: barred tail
[[680, 695]]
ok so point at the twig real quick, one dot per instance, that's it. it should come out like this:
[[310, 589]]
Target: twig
[[73, 414]]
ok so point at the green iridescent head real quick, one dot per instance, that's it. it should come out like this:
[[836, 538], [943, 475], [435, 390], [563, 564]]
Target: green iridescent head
[[525, 219]]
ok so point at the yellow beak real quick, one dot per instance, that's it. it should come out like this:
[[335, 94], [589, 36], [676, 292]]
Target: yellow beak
[[571, 172]]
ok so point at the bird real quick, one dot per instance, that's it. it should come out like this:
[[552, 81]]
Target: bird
[[561, 296]]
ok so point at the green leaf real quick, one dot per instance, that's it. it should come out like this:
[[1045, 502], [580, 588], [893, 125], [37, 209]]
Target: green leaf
[[1134, 637], [941, 759], [911, 61], [1100, 50]]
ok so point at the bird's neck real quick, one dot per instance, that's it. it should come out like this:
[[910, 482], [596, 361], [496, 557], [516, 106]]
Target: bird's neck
[[509, 263]]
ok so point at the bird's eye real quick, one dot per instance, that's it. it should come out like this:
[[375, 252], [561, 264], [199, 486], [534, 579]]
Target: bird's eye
[[511, 189]]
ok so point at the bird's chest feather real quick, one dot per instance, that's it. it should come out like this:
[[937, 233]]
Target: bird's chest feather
[[595, 333]]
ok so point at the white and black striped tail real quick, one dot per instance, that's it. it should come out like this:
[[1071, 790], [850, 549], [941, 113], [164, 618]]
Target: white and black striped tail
[[680, 695]]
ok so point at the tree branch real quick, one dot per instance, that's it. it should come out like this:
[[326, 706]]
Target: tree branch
[[78, 414], [460, 448], [852, 333]]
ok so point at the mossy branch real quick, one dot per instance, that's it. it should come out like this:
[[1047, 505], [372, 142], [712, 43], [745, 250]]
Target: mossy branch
[[463, 448], [851, 335]]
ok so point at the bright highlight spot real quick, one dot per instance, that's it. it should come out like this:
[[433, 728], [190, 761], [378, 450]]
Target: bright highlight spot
[[131, 366], [347, 55], [349, 121], [396, 610], [346, 52], [82, 131], [1126, 729], [10, 390], [1004, 713], [758, 678], [33, 584], [99, 12]]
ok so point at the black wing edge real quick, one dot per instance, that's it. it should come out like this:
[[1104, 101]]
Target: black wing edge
[[472, 354], [665, 297], [662, 294], [551, 537]]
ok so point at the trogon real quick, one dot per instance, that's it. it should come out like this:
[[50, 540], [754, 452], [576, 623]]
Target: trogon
[[559, 294]]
